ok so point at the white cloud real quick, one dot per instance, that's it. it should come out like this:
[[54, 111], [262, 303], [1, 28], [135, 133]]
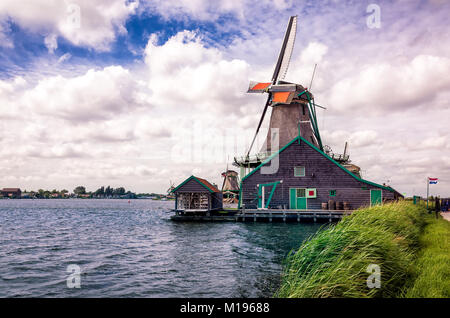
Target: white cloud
[[64, 57], [381, 87], [55, 151], [51, 42], [183, 72], [91, 23], [96, 95], [198, 9], [386, 93], [313, 53]]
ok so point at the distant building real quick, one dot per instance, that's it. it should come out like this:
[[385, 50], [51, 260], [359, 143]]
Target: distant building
[[197, 194], [28, 195], [13, 193]]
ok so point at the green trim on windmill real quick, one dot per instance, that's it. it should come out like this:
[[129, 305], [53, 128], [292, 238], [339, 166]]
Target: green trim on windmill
[[312, 112], [271, 192], [240, 195], [324, 155], [192, 178], [260, 190], [316, 126]]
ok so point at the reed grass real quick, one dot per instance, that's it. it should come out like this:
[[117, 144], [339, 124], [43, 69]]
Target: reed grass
[[433, 262], [334, 261]]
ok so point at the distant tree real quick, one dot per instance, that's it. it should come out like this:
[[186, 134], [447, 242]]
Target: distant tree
[[131, 195], [40, 194], [79, 190], [108, 191], [119, 191], [100, 192]]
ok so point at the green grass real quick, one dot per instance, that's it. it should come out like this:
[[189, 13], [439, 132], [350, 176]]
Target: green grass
[[433, 262], [333, 262]]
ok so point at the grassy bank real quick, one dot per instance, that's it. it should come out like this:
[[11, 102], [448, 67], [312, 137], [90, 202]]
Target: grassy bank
[[433, 262], [334, 262]]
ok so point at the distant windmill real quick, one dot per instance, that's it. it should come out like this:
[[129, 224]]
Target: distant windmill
[[230, 181], [293, 107], [171, 187]]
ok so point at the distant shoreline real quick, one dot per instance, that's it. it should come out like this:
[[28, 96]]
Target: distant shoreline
[[87, 199]]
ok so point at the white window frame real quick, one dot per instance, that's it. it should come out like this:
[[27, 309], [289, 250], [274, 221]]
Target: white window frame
[[295, 170]]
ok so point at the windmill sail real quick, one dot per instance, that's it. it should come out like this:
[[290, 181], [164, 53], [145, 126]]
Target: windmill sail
[[286, 51], [280, 68], [293, 109]]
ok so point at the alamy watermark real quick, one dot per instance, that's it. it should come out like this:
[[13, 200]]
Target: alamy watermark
[[272, 168], [73, 11], [373, 20], [74, 278], [374, 279], [203, 144]]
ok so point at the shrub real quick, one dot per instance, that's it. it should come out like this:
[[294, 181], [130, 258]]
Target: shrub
[[333, 262]]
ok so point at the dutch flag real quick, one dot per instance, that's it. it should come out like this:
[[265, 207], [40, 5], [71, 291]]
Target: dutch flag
[[433, 180]]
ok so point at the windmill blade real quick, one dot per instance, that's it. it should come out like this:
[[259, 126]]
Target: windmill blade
[[260, 123], [257, 87], [283, 88], [286, 51], [280, 68]]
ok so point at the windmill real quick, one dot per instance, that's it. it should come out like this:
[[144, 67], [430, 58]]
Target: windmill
[[171, 187], [230, 186], [293, 107]]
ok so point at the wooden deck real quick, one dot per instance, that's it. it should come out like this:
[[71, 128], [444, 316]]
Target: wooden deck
[[272, 215]]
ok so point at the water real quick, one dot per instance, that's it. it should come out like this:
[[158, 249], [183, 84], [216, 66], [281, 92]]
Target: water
[[134, 250]]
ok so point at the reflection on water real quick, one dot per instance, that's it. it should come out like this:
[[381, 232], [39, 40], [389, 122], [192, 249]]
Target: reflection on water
[[134, 250]]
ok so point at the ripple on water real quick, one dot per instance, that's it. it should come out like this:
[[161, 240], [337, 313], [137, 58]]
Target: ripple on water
[[134, 250]]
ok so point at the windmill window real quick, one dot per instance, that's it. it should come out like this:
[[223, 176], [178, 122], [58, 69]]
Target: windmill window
[[332, 193], [301, 193], [299, 171]]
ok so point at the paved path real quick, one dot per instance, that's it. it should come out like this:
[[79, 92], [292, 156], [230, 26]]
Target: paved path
[[446, 215]]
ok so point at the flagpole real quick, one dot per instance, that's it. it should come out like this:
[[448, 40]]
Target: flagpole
[[428, 187]]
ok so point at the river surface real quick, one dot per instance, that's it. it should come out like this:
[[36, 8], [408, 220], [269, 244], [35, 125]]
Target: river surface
[[134, 250]]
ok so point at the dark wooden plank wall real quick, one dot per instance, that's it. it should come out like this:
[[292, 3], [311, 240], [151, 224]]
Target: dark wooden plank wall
[[320, 173], [192, 186], [216, 200]]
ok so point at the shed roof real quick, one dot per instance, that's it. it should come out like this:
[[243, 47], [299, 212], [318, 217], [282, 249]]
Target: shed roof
[[10, 189], [211, 188], [323, 154]]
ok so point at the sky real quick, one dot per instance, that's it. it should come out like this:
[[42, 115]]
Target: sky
[[143, 94]]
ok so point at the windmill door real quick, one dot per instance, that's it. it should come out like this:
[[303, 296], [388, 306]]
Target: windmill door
[[297, 199], [375, 197]]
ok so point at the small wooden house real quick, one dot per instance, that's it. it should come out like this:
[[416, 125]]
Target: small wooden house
[[14, 193], [303, 177], [197, 195]]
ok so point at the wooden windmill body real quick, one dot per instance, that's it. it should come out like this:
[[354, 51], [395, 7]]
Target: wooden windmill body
[[293, 108], [293, 113], [230, 186]]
